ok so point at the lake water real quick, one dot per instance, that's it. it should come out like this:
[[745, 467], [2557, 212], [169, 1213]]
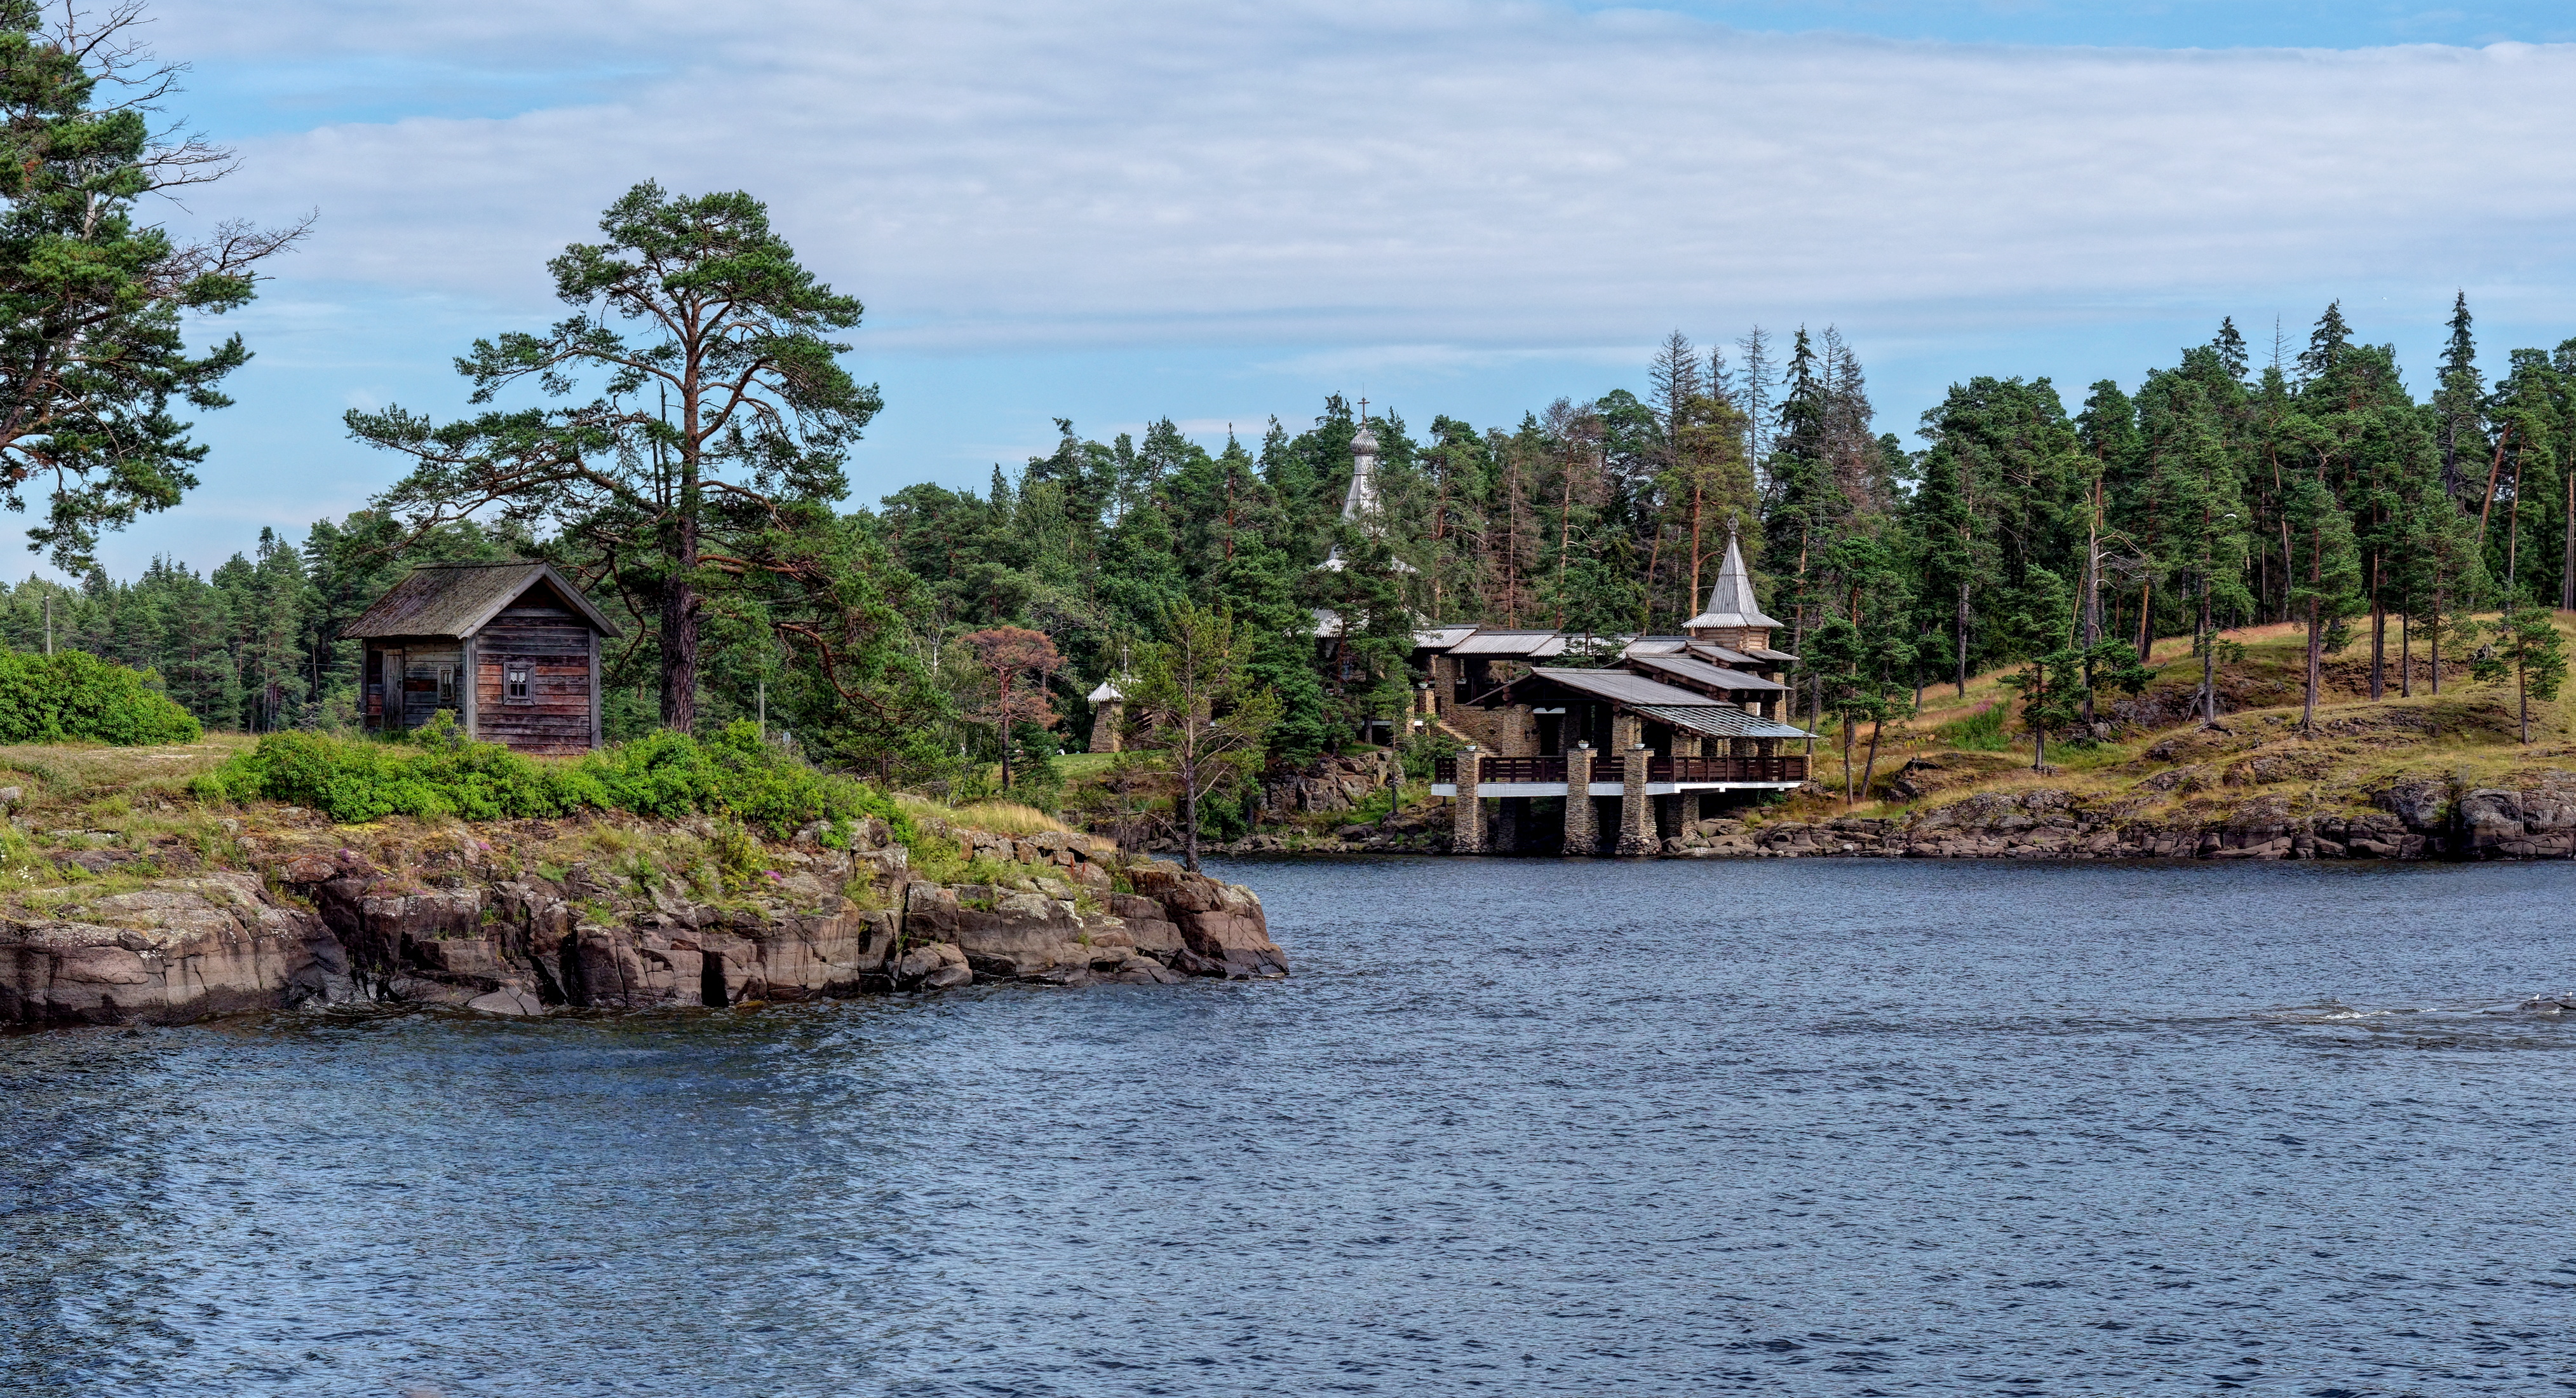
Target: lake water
[[1515, 1127]]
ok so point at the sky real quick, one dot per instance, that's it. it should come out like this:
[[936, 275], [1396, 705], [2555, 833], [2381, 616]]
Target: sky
[[1222, 212]]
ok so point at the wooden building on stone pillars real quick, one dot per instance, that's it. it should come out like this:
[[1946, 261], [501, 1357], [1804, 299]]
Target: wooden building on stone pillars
[[1614, 759], [511, 649]]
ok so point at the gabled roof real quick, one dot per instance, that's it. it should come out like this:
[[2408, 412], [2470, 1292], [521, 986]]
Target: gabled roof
[[1441, 637], [1730, 602], [1707, 676], [1531, 645], [457, 599], [1716, 654], [1720, 721], [1106, 693], [1618, 686]]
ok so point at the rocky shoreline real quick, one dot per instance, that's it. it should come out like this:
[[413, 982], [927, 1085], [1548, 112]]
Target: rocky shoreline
[[2423, 819], [454, 919]]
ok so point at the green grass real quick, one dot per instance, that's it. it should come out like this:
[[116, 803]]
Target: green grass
[[1982, 731]]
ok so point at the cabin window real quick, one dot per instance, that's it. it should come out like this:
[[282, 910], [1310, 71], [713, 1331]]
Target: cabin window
[[514, 685], [446, 684]]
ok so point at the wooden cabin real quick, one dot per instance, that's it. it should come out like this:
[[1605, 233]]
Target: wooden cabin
[[512, 649]]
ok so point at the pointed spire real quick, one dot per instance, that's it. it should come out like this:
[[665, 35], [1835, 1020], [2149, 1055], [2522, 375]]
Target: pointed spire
[[1360, 502], [1731, 601]]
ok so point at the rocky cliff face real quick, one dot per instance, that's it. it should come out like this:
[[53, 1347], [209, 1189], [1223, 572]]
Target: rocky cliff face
[[457, 921], [2419, 819]]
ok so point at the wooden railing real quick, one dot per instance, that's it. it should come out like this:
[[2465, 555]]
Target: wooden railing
[[1726, 769], [1658, 769]]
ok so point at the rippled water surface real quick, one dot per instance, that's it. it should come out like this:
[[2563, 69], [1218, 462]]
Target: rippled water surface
[[1514, 1127]]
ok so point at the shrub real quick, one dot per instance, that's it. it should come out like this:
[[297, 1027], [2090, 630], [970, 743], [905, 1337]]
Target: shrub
[[75, 695], [436, 773]]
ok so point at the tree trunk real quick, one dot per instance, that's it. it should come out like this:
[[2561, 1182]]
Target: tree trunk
[[1189, 803], [2316, 658], [2378, 636], [2038, 729], [2147, 622], [1963, 640], [2495, 470], [1006, 730], [2436, 640], [2522, 697], [680, 636], [1690, 604], [679, 639], [2566, 561], [2208, 661], [1871, 768], [2405, 657], [1848, 725], [2512, 532]]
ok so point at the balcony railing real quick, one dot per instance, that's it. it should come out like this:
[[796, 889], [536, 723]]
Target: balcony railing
[[1687, 770]]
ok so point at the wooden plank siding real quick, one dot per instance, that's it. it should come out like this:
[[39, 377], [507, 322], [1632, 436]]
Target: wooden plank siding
[[556, 717], [558, 645]]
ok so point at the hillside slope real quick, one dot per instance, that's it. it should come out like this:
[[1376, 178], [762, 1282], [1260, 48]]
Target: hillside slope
[[2409, 776]]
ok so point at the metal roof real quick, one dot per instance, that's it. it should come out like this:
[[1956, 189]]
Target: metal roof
[[1720, 721], [1656, 645], [1730, 602], [1712, 651], [1442, 637], [1618, 686], [1534, 645], [1700, 672], [456, 599], [1766, 653]]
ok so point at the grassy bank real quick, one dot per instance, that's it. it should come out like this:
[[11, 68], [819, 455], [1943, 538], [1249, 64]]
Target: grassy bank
[[2160, 758]]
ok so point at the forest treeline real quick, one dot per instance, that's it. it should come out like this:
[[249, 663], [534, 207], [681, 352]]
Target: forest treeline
[[2314, 487], [678, 442]]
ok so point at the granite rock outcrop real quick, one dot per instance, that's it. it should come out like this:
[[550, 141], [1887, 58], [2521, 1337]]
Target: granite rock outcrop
[[459, 922]]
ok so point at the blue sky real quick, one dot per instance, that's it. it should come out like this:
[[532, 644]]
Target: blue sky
[[1223, 211]]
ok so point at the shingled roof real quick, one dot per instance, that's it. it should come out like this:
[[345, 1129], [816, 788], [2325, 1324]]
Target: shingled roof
[[456, 599]]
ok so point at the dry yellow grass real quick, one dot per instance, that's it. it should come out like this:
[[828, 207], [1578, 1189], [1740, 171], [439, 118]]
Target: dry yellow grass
[[2468, 734], [1000, 817], [83, 772], [1006, 818]]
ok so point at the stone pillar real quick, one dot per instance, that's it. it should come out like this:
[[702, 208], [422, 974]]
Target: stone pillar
[[1582, 820], [1105, 723], [1467, 819], [1636, 809], [1626, 731]]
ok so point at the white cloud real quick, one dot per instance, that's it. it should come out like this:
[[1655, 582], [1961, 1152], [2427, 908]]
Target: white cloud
[[1467, 177]]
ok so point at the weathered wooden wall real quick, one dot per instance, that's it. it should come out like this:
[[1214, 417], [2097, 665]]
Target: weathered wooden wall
[[557, 646]]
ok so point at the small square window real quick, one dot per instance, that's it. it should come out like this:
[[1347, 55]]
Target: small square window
[[514, 684]]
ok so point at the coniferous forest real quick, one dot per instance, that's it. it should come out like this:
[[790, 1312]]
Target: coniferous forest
[[2310, 483]]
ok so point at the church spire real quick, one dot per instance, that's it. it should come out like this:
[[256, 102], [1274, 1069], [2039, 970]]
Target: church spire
[[1360, 506], [1731, 602]]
